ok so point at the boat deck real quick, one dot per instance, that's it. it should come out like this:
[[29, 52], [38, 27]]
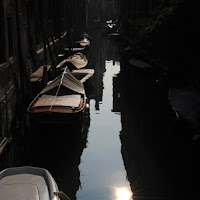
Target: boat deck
[[56, 109]]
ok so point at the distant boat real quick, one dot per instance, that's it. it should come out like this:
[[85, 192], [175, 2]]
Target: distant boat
[[78, 60], [77, 48], [114, 36], [61, 101], [29, 183], [74, 49], [85, 35], [84, 42]]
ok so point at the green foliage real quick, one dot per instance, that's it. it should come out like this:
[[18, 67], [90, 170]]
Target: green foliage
[[162, 15]]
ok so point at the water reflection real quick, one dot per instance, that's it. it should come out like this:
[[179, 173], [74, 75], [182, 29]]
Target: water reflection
[[102, 168], [157, 150], [55, 148], [123, 193]]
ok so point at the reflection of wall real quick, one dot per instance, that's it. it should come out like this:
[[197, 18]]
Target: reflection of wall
[[144, 117], [156, 149], [112, 50], [96, 59], [101, 51], [116, 94]]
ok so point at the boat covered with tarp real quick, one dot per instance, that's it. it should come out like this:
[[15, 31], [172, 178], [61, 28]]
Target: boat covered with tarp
[[84, 42], [83, 74], [76, 61], [62, 100], [33, 183]]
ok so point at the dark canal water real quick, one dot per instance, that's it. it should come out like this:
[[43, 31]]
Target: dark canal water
[[103, 175], [130, 145]]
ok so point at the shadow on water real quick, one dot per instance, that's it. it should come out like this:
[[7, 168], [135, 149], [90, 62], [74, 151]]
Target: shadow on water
[[159, 154], [55, 148], [60, 149]]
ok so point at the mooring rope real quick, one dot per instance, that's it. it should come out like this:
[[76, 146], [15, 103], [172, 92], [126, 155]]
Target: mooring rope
[[58, 90]]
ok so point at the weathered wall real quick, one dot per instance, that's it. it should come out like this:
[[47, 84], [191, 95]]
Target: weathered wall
[[8, 67], [25, 25]]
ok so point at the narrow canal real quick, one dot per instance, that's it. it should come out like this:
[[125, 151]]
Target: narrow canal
[[130, 143], [103, 175]]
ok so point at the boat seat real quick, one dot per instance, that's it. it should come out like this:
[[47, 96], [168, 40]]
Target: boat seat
[[23, 187], [65, 100]]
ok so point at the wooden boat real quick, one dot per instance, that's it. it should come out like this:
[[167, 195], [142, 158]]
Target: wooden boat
[[75, 49], [77, 61], [62, 100], [29, 183], [85, 35], [114, 36], [84, 42]]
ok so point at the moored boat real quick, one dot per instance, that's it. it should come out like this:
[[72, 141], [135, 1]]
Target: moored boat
[[62, 100], [85, 35], [83, 74], [77, 61], [84, 42], [29, 183]]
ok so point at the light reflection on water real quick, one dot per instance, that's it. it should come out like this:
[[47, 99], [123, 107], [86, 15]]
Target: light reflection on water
[[123, 193], [103, 175]]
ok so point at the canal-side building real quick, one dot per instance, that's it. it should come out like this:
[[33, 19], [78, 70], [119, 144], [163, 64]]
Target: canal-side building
[[33, 33], [9, 68]]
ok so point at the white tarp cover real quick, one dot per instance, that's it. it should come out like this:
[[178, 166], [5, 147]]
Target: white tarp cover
[[84, 42], [23, 187], [67, 80], [65, 100], [86, 74], [75, 48], [78, 60]]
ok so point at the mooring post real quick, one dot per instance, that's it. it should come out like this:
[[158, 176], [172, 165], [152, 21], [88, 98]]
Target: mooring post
[[55, 49], [45, 75]]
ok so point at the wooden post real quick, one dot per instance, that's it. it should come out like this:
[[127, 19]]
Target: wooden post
[[45, 75], [45, 50], [55, 49], [51, 55], [50, 52]]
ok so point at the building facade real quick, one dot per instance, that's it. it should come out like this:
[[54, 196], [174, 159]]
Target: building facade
[[28, 28]]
